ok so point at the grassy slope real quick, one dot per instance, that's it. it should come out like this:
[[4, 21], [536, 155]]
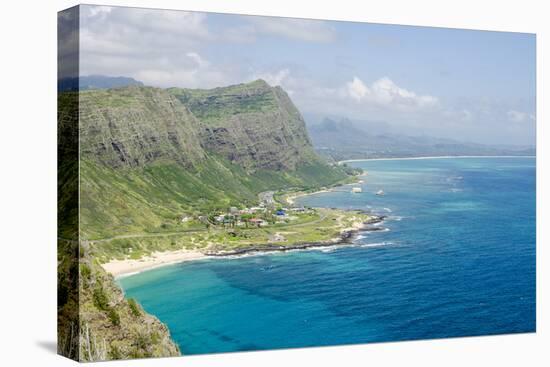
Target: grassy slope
[[153, 198]]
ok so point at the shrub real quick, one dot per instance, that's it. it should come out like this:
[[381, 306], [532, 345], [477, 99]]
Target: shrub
[[155, 338], [142, 341], [134, 308], [85, 272], [114, 317], [100, 298], [115, 353]]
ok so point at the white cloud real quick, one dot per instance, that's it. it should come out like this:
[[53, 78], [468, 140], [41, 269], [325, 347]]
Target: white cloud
[[159, 48], [93, 11], [178, 48], [466, 115], [518, 116], [136, 31], [273, 78], [253, 27], [298, 29], [385, 92], [201, 63], [166, 48], [192, 71], [357, 89]]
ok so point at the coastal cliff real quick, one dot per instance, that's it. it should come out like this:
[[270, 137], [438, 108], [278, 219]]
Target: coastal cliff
[[253, 125], [148, 157]]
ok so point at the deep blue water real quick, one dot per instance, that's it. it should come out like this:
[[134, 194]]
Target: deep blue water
[[458, 260]]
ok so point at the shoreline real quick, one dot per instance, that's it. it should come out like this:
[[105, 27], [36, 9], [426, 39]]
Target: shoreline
[[121, 268], [128, 267], [435, 157], [290, 199], [345, 237]]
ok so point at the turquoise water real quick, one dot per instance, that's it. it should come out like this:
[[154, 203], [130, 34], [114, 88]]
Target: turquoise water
[[458, 259]]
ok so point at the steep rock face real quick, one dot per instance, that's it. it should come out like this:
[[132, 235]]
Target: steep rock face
[[253, 125], [134, 126]]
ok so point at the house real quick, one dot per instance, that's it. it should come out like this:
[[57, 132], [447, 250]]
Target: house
[[185, 219], [257, 221], [277, 237], [280, 212]]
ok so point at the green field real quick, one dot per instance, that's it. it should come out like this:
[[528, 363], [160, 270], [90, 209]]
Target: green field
[[318, 225]]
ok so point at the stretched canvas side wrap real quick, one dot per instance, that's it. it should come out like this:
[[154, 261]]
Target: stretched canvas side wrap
[[241, 183]]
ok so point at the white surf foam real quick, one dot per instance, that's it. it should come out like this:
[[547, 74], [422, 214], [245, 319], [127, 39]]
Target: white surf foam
[[376, 244]]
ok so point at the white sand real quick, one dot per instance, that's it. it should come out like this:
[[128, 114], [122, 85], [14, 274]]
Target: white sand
[[292, 198], [156, 259]]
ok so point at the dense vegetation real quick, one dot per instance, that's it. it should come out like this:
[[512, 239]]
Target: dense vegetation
[[215, 105]]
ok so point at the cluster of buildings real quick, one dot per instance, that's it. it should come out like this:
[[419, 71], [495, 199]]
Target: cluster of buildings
[[258, 216]]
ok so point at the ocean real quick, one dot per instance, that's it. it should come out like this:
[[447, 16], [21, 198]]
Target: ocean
[[457, 259]]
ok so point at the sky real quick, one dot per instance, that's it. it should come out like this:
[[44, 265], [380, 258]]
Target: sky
[[476, 86]]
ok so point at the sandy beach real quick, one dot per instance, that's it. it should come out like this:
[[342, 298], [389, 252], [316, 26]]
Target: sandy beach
[[120, 268], [290, 199], [156, 259]]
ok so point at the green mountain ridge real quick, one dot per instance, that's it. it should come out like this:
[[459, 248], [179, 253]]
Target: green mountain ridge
[[146, 158], [253, 124]]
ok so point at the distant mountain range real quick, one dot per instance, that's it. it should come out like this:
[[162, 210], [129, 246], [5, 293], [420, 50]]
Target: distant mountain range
[[95, 82], [343, 139]]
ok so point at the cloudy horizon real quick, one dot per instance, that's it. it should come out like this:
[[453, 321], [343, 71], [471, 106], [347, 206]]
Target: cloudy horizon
[[474, 86]]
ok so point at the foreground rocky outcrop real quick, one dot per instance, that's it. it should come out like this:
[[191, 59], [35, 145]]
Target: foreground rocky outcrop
[[97, 323]]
